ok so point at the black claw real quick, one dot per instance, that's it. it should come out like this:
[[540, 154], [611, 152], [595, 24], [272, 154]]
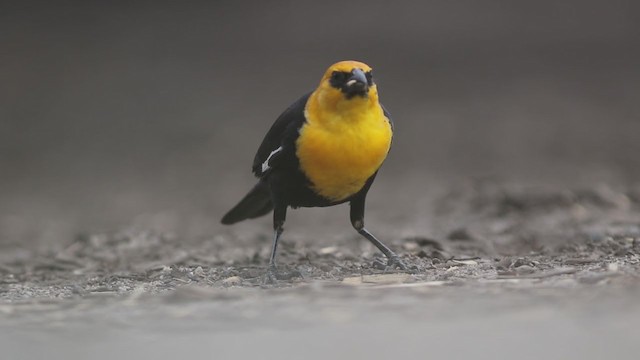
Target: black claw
[[270, 278], [395, 262], [274, 274], [379, 264]]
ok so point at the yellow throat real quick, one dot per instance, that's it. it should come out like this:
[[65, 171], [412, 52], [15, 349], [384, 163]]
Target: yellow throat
[[344, 141]]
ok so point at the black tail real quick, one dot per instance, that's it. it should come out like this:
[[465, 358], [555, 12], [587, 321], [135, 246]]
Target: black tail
[[255, 204]]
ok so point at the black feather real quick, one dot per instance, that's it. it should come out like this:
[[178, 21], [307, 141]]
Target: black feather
[[255, 204], [289, 121]]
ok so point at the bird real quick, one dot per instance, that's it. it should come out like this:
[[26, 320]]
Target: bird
[[324, 150]]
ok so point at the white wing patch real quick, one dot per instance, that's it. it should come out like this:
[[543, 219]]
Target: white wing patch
[[265, 164]]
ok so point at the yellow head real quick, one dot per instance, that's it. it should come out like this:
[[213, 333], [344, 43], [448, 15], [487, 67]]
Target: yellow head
[[346, 84]]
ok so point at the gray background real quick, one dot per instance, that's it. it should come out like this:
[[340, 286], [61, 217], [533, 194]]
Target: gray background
[[149, 114]]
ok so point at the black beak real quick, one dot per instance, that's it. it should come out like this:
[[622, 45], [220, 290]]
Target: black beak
[[356, 84]]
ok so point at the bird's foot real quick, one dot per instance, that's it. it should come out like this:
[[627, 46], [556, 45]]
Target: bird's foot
[[394, 262], [270, 278], [274, 274]]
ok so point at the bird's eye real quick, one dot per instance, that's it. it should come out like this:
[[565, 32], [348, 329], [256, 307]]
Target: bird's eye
[[337, 79], [337, 76], [369, 76]]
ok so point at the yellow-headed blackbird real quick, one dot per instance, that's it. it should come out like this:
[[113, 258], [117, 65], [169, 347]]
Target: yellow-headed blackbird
[[324, 150]]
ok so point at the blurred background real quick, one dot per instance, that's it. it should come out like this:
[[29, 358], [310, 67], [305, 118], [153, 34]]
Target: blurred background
[[148, 114]]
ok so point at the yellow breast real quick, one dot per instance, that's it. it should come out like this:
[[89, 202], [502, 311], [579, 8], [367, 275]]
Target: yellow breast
[[339, 150]]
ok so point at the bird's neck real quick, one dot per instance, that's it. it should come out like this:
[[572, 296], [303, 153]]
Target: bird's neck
[[334, 111]]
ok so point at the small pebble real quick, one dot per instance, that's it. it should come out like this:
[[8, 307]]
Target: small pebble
[[378, 279], [525, 269], [410, 246], [465, 262], [328, 250], [232, 281], [198, 271]]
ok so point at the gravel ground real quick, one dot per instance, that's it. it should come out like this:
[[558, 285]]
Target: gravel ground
[[527, 272]]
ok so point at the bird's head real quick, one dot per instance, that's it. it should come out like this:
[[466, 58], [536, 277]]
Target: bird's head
[[348, 80]]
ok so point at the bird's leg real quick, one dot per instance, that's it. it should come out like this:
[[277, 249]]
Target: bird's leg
[[270, 276], [279, 217], [274, 248], [357, 220], [393, 260]]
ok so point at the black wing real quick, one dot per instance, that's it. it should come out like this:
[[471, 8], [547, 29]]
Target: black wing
[[290, 119]]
